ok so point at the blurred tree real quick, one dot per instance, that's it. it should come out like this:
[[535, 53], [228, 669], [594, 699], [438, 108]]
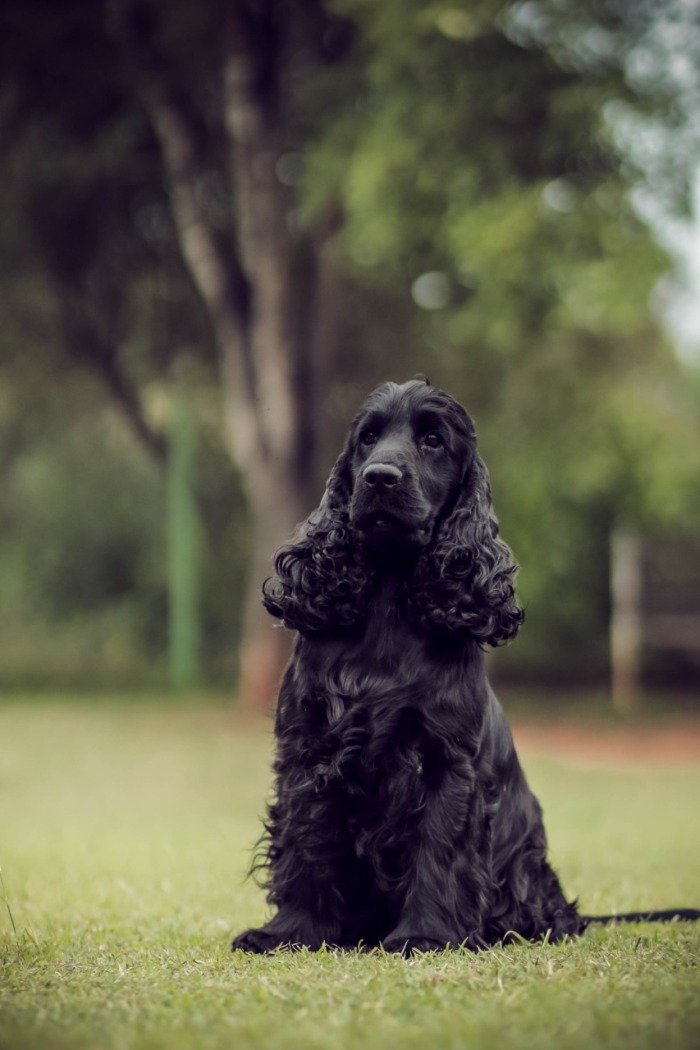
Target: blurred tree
[[266, 288], [309, 164]]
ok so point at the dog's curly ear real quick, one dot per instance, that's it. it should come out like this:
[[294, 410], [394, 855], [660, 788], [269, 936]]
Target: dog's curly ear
[[321, 580], [464, 583]]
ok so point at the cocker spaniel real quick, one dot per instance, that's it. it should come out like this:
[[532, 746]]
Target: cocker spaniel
[[402, 817]]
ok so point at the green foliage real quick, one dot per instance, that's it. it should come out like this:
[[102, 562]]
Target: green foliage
[[83, 552], [476, 145], [126, 834], [80, 546], [487, 147]]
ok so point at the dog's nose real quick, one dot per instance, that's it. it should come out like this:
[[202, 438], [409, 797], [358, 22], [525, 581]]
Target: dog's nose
[[382, 475]]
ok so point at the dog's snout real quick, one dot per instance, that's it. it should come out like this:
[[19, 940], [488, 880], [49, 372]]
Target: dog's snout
[[381, 475]]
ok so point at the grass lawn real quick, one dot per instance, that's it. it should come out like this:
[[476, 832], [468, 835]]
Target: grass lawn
[[124, 836]]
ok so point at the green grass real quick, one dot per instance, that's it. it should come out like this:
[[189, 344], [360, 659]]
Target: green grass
[[124, 837]]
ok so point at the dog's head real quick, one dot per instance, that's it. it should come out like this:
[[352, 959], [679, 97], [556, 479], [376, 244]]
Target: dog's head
[[409, 491], [408, 451]]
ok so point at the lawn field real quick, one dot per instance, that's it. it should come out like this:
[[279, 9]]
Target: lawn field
[[125, 830]]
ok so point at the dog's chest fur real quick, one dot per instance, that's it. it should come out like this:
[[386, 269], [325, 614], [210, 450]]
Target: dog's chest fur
[[376, 707]]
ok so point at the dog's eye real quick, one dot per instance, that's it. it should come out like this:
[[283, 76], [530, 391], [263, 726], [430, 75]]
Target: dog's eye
[[368, 437], [432, 439]]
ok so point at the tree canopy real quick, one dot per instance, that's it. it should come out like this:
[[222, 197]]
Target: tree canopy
[[300, 199]]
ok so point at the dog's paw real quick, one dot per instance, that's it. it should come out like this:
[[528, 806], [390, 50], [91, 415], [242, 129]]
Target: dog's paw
[[406, 946], [257, 942]]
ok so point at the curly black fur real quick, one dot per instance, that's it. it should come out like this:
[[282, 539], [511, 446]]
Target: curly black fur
[[402, 816], [464, 582], [322, 579], [461, 584]]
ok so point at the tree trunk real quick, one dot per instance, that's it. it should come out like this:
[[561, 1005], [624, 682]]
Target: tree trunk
[[255, 112], [266, 647], [268, 369]]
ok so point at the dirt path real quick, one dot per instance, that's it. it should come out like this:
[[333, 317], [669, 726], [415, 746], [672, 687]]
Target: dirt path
[[656, 745]]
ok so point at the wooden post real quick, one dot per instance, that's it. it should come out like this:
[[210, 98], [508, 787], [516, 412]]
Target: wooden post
[[626, 618], [184, 548]]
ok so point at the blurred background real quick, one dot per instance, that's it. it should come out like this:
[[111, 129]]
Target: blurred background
[[225, 221]]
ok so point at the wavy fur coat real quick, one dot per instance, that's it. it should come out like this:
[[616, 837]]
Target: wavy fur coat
[[402, 816]]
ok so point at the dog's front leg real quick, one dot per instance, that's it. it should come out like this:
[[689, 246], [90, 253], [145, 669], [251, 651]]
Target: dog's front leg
[[308, 866], [307, 871], [448, 882]]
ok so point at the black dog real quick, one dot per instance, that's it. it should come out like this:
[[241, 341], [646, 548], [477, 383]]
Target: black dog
[[402, 817]]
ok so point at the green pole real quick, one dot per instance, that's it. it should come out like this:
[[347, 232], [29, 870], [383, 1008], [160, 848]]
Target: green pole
[[184, 548]]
